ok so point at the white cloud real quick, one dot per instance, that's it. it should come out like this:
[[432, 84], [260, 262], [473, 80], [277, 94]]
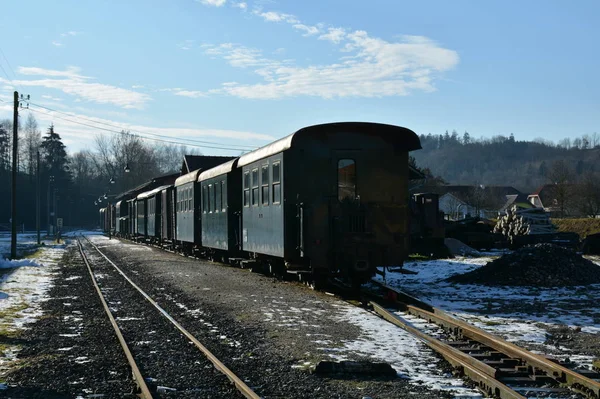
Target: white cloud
[[334, 35], [241, 5], [57, 44], [178, 91], [186, 45], [70, 33], [80, 136], [47, 97], [137, 86], [237, 55], [373, 68], [80, 86], [71, 72], [215, 3], [274, 16], [308, 30]]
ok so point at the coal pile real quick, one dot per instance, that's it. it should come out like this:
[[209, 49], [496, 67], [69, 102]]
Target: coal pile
[[541, 265]]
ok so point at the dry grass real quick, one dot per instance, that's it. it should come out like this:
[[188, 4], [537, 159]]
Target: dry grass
[[583, 227]]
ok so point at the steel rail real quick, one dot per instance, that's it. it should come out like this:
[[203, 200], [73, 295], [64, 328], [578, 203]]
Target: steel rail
[[144, 391], [566, 377], [239, 384], [481, 373]]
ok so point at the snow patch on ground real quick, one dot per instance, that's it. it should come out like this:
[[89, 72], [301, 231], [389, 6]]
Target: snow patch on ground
[[378, 341], [515, 313], [24, 285]]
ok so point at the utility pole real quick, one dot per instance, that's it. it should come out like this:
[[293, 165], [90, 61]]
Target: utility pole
[[37, 199], [13, 225]]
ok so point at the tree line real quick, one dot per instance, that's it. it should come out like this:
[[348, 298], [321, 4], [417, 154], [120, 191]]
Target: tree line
[[503, 160], [74, 185]]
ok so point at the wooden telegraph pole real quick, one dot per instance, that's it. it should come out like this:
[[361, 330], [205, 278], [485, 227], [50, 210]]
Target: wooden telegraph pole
[[13, 225], [37, 199]]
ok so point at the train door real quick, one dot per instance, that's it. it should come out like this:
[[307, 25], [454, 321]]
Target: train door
[[347, 215]]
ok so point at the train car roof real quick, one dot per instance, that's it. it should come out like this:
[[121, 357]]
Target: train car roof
[[404, 138], [187, 178], [150, 193], [218, 170], [154, 182]]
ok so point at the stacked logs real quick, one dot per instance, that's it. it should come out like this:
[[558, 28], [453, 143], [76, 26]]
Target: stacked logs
[[520, 221]]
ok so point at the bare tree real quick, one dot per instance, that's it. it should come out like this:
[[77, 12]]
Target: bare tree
[[30, 145], [454, 207], [587, 195], [170, 156], [595, 140], [561, 176], [115, 153]]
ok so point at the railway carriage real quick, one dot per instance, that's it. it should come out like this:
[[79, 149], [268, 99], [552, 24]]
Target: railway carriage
[[329, 199], [152, 202], [187, 203], [131, 210], [220, 210], [141, 212], [122, 217], [167, 214]]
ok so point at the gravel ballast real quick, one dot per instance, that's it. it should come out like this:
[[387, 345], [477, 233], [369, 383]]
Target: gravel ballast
[[541, 265], [271, 333], [240, 316], [72, 350]]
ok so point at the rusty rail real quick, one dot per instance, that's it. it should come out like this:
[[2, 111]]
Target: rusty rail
[[564, 376], [137, 375], [239, 384], [477, 371]]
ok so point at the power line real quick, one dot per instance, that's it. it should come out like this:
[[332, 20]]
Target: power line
[[142, 137], [241, 147], [11, 68]]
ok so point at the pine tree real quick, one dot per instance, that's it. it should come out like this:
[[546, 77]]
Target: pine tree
[[55, 157], [4, 149], [466, 138]]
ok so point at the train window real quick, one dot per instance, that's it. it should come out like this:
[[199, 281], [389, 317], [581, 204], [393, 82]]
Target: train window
[[346, 179], [223, 196], [255, 187], [217, 197], [247, 188], [211, 199], [276, 176], [205, 199], [185, 194], [190, 198], [187, 202], [264, 182]]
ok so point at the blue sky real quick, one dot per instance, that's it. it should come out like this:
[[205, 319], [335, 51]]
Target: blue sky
[[246, 72]]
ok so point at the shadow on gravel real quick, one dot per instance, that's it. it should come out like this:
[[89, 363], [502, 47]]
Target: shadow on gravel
[[31, 393], [11, 341]]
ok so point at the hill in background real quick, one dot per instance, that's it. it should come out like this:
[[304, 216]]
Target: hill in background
[[502, 160]]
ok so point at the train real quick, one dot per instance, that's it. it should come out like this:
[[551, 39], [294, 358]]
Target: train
[[328, 200]]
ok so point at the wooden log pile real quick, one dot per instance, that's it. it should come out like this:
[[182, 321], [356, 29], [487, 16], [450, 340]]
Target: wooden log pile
[[520, 221]]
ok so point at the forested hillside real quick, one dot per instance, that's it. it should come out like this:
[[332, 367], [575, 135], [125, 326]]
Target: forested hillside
[[503, 160]]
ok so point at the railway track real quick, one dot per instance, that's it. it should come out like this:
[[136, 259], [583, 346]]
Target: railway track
[[145, 371], [498, 368]]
